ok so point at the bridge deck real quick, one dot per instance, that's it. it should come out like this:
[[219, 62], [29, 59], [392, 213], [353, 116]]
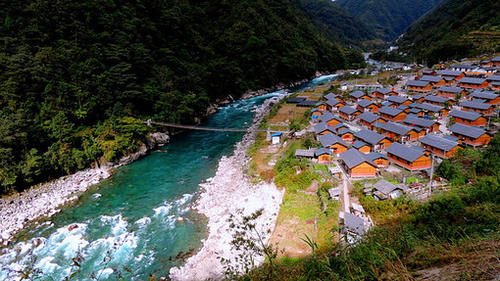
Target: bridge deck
[[198, 128]]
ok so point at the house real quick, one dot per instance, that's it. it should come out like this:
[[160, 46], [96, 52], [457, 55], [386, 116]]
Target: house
[[374, 139], [429, 126], [362, 146], [324, 155], [333, 142], [441, 147], [367, 105], [348, 113], [486, 63], [357, 95], [450, 92], [489, 97], [334, 104], [332, 96], [276, 138], [367, 119], [473, 83], [339, 127], [398, 132], [356, 164], [383, 93], [398, 100], [322, 128], [470, 118], [435, 81], [417, 98], [431, 110], [437, 100], [467, 69], [404, 108], [410, 158], [495, 86], [493, 78], [383, 190], [305, 153], [419, 86], [330, 119], [495, 61], [483, 108], [455, 75], [379, 159], [353, 227], [316, 113], [334, 193], [392, 114], [416, 111], [321, 105], [470, 135], [428, 72], [346, 134]]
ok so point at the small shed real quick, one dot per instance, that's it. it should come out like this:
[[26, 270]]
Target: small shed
[[385, 190], [276, 138]]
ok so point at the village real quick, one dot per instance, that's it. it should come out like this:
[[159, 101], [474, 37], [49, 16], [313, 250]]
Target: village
[[359, 137]]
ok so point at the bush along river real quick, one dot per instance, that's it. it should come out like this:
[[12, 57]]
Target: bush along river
[[139, 222]]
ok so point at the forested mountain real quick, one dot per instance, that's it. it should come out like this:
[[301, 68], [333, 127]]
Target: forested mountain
[[457, 29], [389, 18], [336, 23], [76, 75]]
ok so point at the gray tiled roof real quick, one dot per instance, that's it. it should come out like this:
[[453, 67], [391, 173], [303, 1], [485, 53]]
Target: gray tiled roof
[[320, 127], [328, 117], [344, 131], [348, 110], [454, 90], [375, 155], [448, 72], [368, 136], [470, 80], [404, 152], [365, 102], [382, 91], [430, 78], [330, 139], [465, 66], [340, 125], [358, 144], [415, 110], [304, 152], [484, 95], [394, 127], [441, 143], [397, 99], [437, 99], [389, 111], [353, 158], [493, 78], [332, 102], [418, 83], [385, 187], [322, 151], [495, 59], [475, 105], [429, 107], [357, 94], [331, 96], [354, 223], [467, 115], [421, 122], [469, 131], [368, 117]]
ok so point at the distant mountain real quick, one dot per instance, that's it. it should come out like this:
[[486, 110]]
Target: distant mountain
[[336, 23], [389, 18], [456, 29]]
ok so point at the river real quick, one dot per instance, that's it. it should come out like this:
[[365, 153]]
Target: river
[[138, 222]]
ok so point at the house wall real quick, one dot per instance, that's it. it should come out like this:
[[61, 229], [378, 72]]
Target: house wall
[[485, 111], [365, 149], [338, 148], [400, 117], [427, 88], [363, 170], [333, 122], [348, 137], [481, 121], [383, 163], [321, 107], [474, 86], [325, 158], [423, 162]]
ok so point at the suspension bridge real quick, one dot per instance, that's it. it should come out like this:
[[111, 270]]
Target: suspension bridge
[[200, 128]]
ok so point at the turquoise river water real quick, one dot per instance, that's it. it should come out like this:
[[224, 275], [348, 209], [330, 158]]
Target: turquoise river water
[[139, 221]]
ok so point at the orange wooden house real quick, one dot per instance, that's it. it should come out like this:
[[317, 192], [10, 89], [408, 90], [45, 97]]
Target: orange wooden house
[[442, 147], [362, 146], [346, 134], [489, 97], [469, 118], [419, 86], [348, 113], [375, 140], [429, 126], [483, 108], [398, 101], [330, 119], [367, 119], [383, 93], [470, 135], [473, 83], [436, 81], [411, 158], [324, 155], [450, 92], [356, 164], [456, 75], [392, 114], [367, 105], [333, 142], [322, 129], [438, 100], [357, 95], [398, 132], [379, 159]]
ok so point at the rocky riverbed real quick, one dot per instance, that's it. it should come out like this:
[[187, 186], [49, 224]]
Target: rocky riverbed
[[230, 192], [45, 199]]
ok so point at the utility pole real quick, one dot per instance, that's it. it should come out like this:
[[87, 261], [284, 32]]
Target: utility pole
[[432, 174]]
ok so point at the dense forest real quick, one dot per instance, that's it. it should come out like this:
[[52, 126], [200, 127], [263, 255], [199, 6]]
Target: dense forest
[[78, 76], [389, 18], [454, 30], [336, 24]]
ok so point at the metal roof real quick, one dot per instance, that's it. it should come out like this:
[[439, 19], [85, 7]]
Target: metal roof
[[353, 158], [382, 91], [475, 105], [348, 110], [441, 143], [469, 80], [418, 83], [330, 139], [397, 99], [421, 122], [467, 115], [469, 131], [389, 111], [368, 136], [454, 90], [369, 117], [404, 152]]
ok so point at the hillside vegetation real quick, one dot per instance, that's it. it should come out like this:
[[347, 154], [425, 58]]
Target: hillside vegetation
[[389, 18], [454, 30], [76, 76], [453, 236]]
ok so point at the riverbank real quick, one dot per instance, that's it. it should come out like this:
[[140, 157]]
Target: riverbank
[[227, 193], [45, 200]]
